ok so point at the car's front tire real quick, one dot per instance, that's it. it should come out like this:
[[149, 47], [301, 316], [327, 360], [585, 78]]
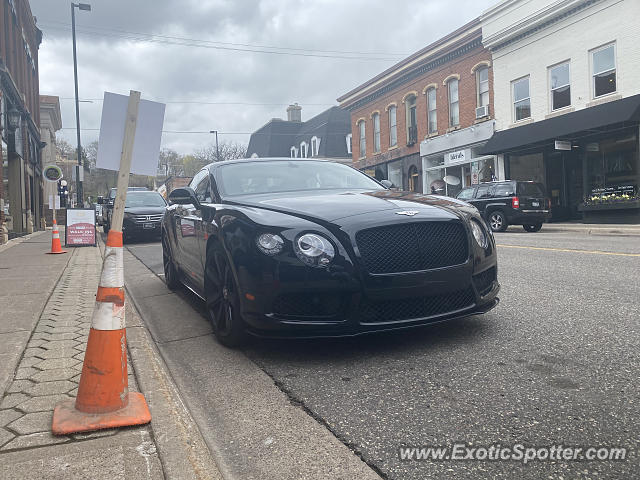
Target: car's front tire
[[498, 221], [223, 301], [170, 271], [532, 227]]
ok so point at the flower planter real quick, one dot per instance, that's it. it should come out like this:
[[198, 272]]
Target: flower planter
[[614, 212]]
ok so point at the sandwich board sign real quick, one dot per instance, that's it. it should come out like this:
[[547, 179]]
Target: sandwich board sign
[[148, 134], [80, 228]]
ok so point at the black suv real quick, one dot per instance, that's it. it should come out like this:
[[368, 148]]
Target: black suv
[[107, 210], [509, 202]]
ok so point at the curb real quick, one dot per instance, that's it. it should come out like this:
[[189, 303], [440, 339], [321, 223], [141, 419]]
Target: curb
[[19, 240], [591, 230], [181, 448]]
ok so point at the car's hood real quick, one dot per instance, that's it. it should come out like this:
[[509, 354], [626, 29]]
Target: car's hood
[[332, 206], [144, 210]]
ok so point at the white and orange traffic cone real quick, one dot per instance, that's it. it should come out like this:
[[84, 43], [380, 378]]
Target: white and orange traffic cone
[[103, 399], [56, 247]]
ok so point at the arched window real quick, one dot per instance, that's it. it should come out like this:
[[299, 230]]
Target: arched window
[[376, 132], [303, 150], [315, 146], [294, 152], [454, 103], [412, 125], [393, 129], [482, 86], [363, 139], [432, 113]]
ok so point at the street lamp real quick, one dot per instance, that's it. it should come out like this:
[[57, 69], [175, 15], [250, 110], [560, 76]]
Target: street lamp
[[86, 7], [13, 119], [217, 151]]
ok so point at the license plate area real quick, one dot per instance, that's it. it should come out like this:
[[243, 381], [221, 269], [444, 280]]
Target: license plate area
[[535, 204], [148, 225]]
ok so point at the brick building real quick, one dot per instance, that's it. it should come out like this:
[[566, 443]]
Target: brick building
[[420, 123], [20, 166]]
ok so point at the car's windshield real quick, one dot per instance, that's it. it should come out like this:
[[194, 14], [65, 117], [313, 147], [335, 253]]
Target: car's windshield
[[144, 199], [250, 178]]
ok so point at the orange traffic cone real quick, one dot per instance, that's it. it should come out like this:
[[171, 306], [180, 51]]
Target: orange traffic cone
[[103, 399], [56, 247]]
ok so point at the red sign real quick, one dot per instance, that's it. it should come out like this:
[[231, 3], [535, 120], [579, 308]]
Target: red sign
[[81, 227]]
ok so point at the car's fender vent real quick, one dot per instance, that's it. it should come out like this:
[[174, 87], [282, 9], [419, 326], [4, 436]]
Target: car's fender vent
[[416, 307], [411, 247], [484, 281]]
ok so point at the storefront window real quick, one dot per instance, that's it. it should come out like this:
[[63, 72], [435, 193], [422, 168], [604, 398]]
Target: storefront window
[[435, 183], [612, 166], [395, 174], [446, 177], [527, 168]]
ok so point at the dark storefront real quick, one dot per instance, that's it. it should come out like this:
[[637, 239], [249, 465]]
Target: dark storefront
[[405, 172], [588, 161]]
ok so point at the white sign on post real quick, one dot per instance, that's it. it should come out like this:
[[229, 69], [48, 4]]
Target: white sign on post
[[54, 202], [146, 146]]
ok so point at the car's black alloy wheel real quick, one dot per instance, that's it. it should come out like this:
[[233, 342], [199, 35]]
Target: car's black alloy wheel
[[170, 272], [498, 221], [223, 304], [533, 228]]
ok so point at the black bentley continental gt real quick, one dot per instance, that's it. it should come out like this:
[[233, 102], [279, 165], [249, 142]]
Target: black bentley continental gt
[[310, 248]]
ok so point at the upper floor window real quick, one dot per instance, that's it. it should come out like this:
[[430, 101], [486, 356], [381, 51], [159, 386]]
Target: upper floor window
[[521, 99], [376, 132], [482, 86], [603, 70], [315, 146], [303, 150], [363, 139], [348, 140], [454, 103], [293, 151], [559, 80], [393, 129], [432, 114], [412, 126]]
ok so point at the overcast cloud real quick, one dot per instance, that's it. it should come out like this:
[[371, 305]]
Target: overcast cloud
[[114, 54]]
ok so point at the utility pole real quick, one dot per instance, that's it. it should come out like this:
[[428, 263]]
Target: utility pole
[[217, 151], [80, 173]]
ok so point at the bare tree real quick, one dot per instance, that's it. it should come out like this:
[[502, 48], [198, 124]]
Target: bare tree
[[228, 151]]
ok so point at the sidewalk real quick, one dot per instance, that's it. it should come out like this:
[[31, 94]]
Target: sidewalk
[[46, 306], [593, 228]]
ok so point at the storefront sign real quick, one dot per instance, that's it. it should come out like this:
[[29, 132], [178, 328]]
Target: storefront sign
[[562, 145], [52, 173], [459, 156], [617, 190], [81, 227], [475, 177]]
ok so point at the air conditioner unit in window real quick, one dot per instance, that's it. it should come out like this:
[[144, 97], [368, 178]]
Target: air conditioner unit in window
[[482, 111]]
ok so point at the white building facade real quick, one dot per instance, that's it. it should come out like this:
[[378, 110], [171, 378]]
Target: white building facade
[[567, 101]]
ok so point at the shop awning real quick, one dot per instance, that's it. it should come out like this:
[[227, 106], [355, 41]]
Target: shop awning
[[591, 118]]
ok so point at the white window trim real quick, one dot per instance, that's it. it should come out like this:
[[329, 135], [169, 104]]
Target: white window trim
[[450, 102], [477, 72], [568, 63], [395, 124], [407, 111], [315, 141], [348, 139], [362, 138], [376, 134], [593, 74], [429, 110], [304, 150], [293, 151], [513, 98]]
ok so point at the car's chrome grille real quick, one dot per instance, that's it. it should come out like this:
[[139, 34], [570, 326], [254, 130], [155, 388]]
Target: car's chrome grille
[[154, 218], [415, 308], [411, 247]]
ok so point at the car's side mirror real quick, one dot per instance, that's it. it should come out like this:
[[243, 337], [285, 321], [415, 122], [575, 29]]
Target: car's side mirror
[[387, 183], [184, 196]]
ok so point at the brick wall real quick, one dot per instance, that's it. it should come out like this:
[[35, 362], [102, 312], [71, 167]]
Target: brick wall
[[461, 66]]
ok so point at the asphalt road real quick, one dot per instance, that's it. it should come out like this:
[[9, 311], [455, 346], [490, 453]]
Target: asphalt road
[[556, 362]]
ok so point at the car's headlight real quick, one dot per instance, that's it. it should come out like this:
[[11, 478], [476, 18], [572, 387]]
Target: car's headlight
[[478, 233], [270, 244], [314, 250]]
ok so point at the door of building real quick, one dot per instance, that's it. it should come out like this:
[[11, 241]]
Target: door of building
[[564, 184]]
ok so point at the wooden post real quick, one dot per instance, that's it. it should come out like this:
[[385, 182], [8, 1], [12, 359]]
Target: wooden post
[[125, 161]]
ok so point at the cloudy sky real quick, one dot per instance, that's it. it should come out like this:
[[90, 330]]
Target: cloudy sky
[[230, 65]]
